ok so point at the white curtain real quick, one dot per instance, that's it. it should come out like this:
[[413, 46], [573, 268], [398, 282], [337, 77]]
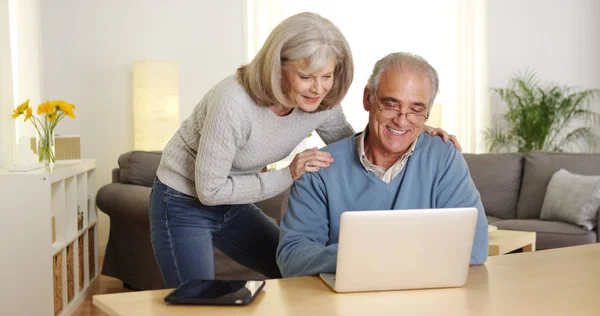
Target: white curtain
[[7, 126], [450, 34], [261, 16], [471, 114], [20, 70]]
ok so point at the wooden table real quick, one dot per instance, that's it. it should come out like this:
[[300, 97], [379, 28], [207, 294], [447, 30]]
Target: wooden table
[[505, 241], [564, 281]]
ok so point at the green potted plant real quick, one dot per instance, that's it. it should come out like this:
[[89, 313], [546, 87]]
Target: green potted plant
[[544, 117]]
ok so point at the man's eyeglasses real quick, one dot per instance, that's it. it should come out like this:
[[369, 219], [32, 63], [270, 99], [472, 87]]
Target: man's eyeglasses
[[390, 109]]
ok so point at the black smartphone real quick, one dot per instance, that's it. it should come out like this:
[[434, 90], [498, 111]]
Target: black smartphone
[[215, 292]]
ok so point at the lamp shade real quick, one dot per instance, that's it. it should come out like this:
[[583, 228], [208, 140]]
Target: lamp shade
[[155, 103]]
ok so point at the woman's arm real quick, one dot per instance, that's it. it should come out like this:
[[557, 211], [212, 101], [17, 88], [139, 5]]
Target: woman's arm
[[336, 126], [224, 132]]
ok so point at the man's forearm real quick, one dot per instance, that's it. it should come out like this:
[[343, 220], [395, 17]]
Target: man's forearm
[[479, 252], [296, 259]]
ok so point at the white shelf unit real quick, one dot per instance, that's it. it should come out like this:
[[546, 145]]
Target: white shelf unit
[[42, 277]]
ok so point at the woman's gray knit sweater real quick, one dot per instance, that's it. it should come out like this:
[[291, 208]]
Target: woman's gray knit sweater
[[218, 152]]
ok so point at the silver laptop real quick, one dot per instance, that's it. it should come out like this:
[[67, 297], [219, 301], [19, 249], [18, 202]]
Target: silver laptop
[[403, 249]]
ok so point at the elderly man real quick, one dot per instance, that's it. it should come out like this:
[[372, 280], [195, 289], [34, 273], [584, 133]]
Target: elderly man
[[392, 164]]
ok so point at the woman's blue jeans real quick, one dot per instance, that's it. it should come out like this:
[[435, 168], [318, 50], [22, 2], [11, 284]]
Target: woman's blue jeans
[[183, 232]]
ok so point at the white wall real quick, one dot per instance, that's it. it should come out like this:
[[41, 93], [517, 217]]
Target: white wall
[[89, 47], [559, 39]]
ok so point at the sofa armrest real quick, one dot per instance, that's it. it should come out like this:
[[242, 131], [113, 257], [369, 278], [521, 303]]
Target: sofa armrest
[[125, 202], [115, 175], [275, 206]]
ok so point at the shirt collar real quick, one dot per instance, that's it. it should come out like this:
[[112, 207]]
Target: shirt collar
[[360, 147]]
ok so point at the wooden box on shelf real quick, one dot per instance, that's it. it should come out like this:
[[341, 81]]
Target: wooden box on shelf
[[62, 257], [53, 229], [66, 147]]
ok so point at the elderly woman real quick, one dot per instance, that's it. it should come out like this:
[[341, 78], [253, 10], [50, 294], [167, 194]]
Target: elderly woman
[[209, 174]]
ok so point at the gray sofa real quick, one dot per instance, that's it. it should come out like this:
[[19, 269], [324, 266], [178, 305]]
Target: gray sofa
[[512, 188]]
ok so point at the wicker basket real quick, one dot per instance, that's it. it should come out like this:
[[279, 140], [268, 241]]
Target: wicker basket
[[58, 286], [81, 263], [70, 274], [92, 252]]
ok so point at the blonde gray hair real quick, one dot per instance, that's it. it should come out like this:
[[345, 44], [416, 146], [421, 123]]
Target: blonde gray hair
[[304, 37], [408, 62]]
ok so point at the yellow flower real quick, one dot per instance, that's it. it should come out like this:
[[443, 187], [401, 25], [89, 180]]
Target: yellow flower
[[46, 108], [20, 109], [52, 117], [66, 107], [28, 115]]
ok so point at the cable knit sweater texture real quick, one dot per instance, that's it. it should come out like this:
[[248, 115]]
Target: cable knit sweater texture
[[217, 153]]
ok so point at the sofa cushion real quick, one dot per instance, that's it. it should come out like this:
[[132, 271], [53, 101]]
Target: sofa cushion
[[498, 180], [550, 234], [538, 170], [572, 198], [139, 167], [492, 219]]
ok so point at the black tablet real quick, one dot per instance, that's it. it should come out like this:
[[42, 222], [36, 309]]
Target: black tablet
[[215, 292]]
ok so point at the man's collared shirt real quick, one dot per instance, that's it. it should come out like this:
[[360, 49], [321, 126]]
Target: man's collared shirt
[[386, 175]]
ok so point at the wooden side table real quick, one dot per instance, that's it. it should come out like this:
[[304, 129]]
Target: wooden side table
[[505, 241]]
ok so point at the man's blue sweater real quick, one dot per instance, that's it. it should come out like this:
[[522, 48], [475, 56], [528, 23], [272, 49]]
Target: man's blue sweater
[[435, 176]]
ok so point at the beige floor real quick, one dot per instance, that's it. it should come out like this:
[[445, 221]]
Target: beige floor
[[102, 285]]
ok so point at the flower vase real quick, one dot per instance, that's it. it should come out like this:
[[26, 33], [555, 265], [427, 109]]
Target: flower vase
[[45, 148]]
